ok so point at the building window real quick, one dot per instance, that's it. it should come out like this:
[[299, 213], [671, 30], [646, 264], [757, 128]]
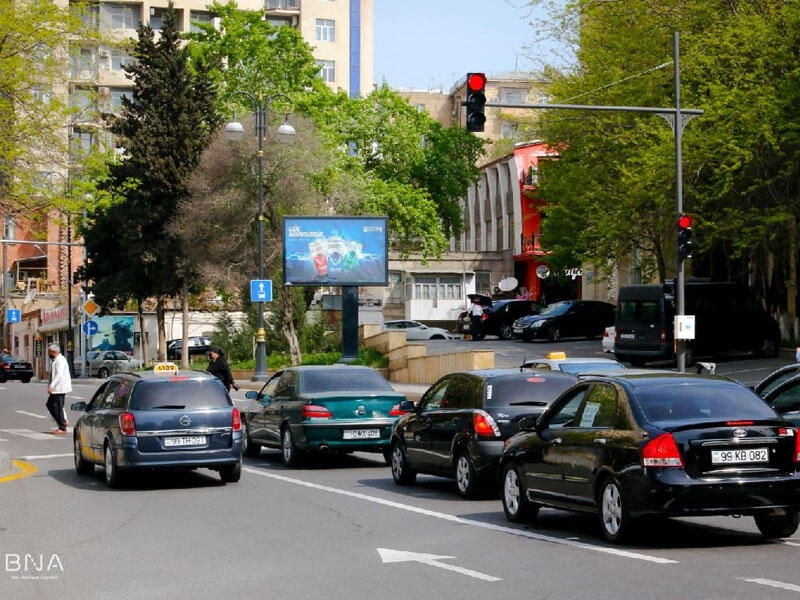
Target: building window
[[327, 70], [281, 4], [543, 98], [89, 14], [121, 16], [157, 16], [116, 98], [512, 96], [9, 228], [80, 143], [396, 295], [442, 287], [81, 64], [326, 30], [198, 16], [483, 282], [119, 58]]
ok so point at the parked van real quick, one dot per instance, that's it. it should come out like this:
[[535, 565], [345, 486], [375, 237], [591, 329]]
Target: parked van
[[728, 320]]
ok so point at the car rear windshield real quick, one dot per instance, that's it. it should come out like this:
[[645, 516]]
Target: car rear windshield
[[535, 389], [344, 380], [179, 394], [702, 401]]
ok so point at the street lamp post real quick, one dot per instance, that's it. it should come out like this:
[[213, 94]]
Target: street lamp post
[[235, 131]]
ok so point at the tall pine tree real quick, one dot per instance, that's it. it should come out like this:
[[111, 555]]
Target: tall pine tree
[[163, 128]]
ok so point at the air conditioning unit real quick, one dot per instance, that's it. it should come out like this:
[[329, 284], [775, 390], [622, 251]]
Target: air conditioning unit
[[103, 53]]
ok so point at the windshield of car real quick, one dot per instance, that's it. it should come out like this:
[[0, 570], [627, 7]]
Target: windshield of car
[[343, 379], [179, 393], [577, 368], [712, 400], [555, 310], [11, 358]]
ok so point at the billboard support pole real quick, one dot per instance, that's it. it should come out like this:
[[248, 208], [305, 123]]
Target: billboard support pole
[[349, 323]]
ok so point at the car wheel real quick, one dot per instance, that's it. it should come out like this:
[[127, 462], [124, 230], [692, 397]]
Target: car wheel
[[780, 526], [102, 372], [466, 478], [3, 378], [231, 473], [249, 448], [26, 380], [402, 473], [554, 335], [113, 472], [288, 448], [614, 518], [506, 332], [82, 466], [515, 501]]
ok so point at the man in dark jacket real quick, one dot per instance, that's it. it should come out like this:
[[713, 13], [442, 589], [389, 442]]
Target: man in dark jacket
[[219, 368]]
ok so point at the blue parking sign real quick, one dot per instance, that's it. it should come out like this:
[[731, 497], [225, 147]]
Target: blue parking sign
[[13, 315], [260, 290]]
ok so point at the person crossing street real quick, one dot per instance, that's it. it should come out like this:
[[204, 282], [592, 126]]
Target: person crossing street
[[59, 386]]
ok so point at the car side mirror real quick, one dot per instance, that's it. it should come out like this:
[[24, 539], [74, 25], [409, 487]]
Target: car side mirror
[[528, 423], [78, 406], [406, 406]]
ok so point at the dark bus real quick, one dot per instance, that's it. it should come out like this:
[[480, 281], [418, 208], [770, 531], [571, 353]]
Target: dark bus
[[728, 320]]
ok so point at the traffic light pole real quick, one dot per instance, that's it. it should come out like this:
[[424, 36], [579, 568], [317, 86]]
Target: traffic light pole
[[677, 118]]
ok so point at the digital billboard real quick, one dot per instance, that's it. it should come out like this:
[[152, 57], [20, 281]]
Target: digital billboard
[[335, 251]]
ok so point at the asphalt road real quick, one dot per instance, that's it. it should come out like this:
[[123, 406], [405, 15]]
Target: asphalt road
[[337, 528]]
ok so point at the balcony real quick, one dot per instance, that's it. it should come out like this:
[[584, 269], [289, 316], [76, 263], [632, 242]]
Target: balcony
[[283, 5]]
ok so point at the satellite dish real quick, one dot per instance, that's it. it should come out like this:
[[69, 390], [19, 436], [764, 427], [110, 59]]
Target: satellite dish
[[507, 284], [543, 271]]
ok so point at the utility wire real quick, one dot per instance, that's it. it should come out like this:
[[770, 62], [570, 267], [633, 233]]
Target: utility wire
[[608, 85]]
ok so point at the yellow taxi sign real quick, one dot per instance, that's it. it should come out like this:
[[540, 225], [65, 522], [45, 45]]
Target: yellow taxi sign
[[165, 367], [557, 355]]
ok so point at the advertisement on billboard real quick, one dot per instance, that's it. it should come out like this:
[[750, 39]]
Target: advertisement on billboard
[[113, 333], [335, 251]]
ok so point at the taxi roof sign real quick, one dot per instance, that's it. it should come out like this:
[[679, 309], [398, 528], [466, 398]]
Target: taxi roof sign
[[557, 355], [168, 368]]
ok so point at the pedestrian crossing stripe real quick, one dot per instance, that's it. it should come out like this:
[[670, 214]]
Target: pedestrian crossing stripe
[[33, 435]]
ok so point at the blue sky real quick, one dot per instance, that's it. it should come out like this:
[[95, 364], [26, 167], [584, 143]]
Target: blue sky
[[424, 44]]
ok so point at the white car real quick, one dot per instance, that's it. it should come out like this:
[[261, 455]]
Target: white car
[[608, 338], [102, 363], [558, 361], [418, 331]]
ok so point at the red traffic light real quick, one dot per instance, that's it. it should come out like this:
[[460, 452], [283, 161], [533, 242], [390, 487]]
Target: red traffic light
[[476, 82], [684, 222]]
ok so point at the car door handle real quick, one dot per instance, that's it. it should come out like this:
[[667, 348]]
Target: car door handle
[[600, 441]]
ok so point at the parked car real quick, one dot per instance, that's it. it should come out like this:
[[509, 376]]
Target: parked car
[[609, 334], [656, 444], [558, 361], [462, 323], [198, 346], [458, 427], [570, 318], [160, 419], [418, 331], [14, 367], [330, 408], [107, 362]]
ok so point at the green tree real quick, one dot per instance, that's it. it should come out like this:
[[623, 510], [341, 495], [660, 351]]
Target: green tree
[[163, 129], [33, 51]]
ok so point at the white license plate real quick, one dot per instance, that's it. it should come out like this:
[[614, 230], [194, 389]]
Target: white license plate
[[627, 336], [193, 440], [361, 434], [744, 455]]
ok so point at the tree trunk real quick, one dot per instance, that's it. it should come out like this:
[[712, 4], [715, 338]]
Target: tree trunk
[[162, 336], [287, 326], [142, 337], [185, 332]]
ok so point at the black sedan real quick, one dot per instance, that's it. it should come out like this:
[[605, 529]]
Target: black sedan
[[570, 318], [160, 419], [630, 446], [783, 395], [330, 408], [14, 367], [458, 428]]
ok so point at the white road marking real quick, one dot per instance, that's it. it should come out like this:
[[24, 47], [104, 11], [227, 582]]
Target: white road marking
[[30, 414], [461, 520], [393, 556], [44, 456], [35, 435], [772, 583]]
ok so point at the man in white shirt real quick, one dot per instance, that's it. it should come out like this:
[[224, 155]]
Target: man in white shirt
[[60, 385], [475, 317]]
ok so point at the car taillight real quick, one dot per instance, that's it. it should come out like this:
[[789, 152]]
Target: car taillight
[[127, 424], [662, 452], [484, 425], [797, 448], [396, 412], [662, 337], [237, 420], [312, 411]]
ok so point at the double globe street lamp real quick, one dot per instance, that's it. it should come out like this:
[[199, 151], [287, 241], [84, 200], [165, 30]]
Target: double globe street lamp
[[285, 133]]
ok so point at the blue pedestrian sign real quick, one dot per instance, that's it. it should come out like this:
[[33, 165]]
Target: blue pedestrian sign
[[90, 327], [260, 290], [13, 315]]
